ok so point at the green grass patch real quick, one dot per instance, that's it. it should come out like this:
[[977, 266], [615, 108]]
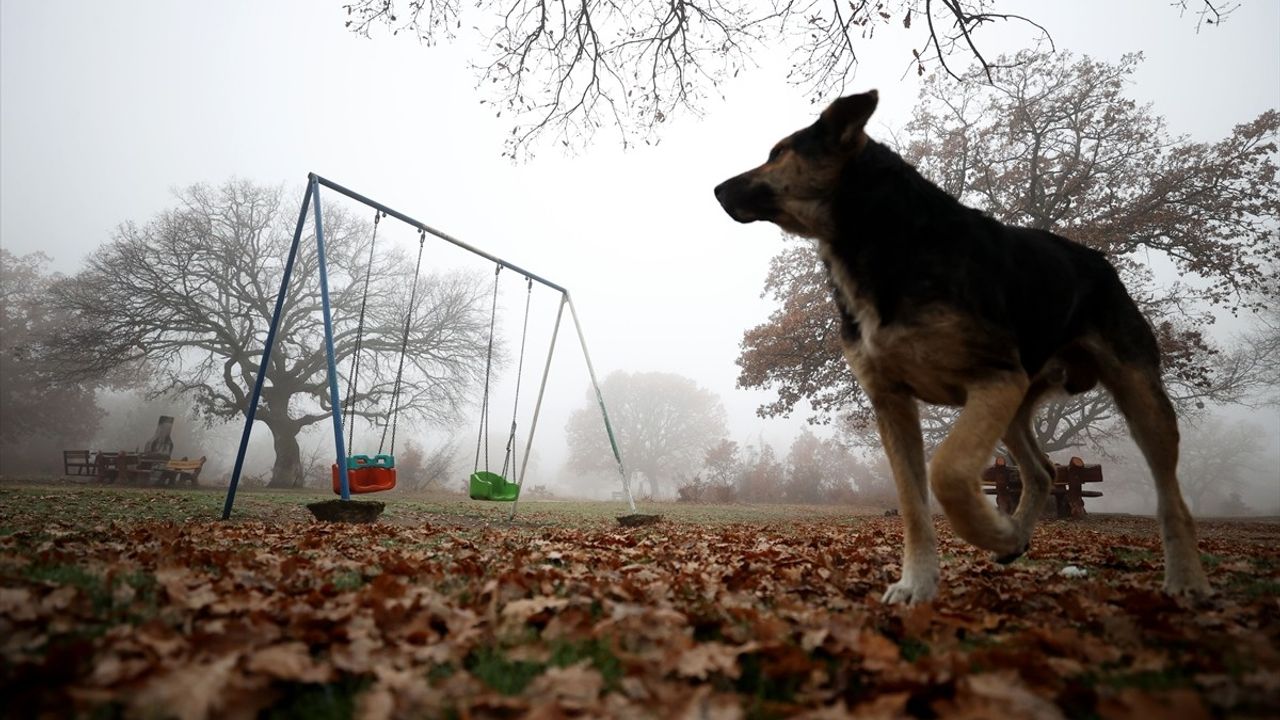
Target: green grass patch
[[1147, 680], [348, 580], [564, 654], [108, 608], [1254, 587], [332, 701], [61, 574], [1133, 557], [913, 649], [510, 677]]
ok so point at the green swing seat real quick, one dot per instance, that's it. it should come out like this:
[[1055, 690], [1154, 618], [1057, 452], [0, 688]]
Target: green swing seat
[[492, 486]]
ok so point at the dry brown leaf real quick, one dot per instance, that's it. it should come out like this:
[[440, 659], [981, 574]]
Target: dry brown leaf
[[577, 686], [193, 692], [17, 604], [59, 599], [113, 669], [702, 661], [1000, 695], [290, 661], [885, 707], [520, 611], [1136, 704], [705, 704]]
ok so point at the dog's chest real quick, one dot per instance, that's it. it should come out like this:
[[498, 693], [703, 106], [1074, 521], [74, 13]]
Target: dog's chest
[[860, 306], [928, 352]]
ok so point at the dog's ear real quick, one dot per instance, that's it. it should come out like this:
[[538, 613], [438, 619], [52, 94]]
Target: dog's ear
[[845, 118]]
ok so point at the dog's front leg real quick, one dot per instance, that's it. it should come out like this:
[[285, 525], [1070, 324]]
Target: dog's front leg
[[899, 423]]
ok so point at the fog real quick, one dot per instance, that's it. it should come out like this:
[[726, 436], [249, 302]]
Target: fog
[[106, 108]]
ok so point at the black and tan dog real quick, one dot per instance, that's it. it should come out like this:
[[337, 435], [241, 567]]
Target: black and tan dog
[[922, 318]]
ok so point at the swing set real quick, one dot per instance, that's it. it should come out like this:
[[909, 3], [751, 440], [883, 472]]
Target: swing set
[[364, 473]]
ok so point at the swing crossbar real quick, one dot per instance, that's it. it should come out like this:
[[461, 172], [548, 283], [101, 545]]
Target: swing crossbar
[[432, 231]]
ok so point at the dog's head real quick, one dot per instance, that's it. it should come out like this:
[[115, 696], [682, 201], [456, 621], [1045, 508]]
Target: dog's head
[[796, 186]]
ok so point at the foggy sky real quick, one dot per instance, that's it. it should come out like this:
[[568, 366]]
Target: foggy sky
[[105, 107]]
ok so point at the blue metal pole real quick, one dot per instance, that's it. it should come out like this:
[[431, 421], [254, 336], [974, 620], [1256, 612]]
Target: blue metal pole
[[328, 346], [252, 409]]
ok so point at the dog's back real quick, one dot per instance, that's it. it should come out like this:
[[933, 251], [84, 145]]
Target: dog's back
[[912, 246]]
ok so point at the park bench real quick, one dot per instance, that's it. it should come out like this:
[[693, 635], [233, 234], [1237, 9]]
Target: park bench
[[184, 470], [1003, 481], [78, 463]]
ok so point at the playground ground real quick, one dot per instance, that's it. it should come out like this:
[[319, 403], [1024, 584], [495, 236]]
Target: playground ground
[[139, 603]]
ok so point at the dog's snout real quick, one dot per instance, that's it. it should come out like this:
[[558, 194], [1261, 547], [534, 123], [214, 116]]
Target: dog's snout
[[720, 191], [745, 199]]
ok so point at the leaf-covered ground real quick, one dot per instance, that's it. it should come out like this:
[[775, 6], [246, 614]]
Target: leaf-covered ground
[[136, 603]]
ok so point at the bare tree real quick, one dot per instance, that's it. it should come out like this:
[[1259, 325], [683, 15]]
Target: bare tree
[[1055, 144], [664, 424], [1262, 343], [1218, 460], [562, 69], [41, 412], [189, 297]]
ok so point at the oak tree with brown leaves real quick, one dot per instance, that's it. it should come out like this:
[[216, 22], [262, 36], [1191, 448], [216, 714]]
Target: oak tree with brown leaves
[[1055, 144]]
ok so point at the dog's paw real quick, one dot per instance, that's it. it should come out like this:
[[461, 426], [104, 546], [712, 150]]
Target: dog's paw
[[1184, 576], [910, 592], [1193, 587], [1010, 557]]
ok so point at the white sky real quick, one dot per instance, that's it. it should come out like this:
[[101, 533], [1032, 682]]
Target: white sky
[[107, 106]]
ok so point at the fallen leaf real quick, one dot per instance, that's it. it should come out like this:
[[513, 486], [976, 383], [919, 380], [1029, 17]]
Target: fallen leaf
[[193, 692], [290, 661]]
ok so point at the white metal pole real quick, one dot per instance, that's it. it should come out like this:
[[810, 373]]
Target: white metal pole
[[533, 426], [613, 442]]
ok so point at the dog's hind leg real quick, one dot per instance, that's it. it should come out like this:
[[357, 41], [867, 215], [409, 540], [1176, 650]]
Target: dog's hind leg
[[1034, 467], [989, 408], [898, 420], [1153, 423]]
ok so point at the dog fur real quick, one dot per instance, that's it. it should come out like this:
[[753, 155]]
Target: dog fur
[[941, 303]]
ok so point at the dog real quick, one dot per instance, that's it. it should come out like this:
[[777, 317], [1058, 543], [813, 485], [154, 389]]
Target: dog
[[923, 317]]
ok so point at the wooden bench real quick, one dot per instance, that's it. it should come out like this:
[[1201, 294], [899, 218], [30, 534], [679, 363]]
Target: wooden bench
[[1003, 481], [184, 470], [79, 463]]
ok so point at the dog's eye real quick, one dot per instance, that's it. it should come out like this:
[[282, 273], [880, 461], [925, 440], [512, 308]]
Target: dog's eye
[[775, 152]]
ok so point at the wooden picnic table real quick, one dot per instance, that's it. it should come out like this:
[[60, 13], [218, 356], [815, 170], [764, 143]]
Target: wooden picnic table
[[132, 466], [1003, 481], [127, 466]]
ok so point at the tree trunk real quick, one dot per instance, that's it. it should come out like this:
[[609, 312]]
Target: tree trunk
[[287, 470]]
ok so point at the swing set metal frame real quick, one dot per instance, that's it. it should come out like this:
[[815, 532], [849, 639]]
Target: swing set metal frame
[[311, 200]]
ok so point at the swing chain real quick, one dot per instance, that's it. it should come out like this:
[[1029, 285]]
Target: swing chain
[[510, 456], [353, 379], [404, 347], [481, 439]]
